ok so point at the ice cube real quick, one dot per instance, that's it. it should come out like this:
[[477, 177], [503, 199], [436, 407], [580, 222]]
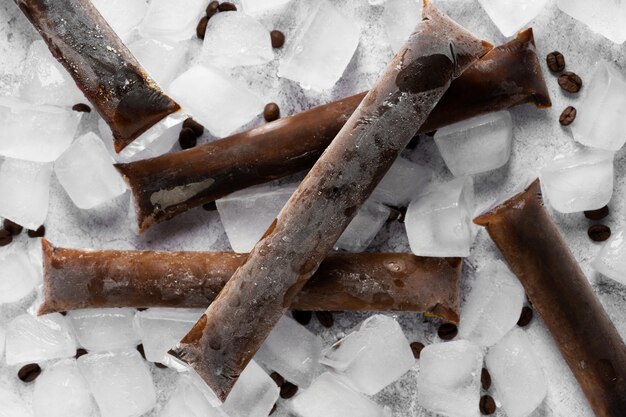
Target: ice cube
[[34, 132], [601, 117], [45, 81], [61, 391], [477, 145], [120, 382], [321, 48], [18, 276], [122, 15], [87, 174], [235, 39], [12, 405], [364, 227], [606, 18], [103, 329], [262, 6], [215, 100], [372, 356], [247, 214], [512, 15], [516, 376], [253, 395], [25, 190], [438, 221], [329, 397], [292, 351], [611, 260], [582, 180], [449, 379], [34, 339], [162, 60], [493, 306], [188, 401], [174, 20], [402, 183], [162, 328], [400, 17]]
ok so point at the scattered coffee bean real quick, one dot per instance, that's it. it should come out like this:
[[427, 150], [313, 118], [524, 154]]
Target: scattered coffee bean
[[81, 107], [288, 390], [28, 373], [160, 365], [212, 8], [555, 61], [197, 128], [447, 331], [40, 232], [302, 317], [525, 316], [11, 227], [5, 237], [567, 117], [416, 348], [80, 352], [485, 379], [570, 82], [487, 405], [227, 7], [210, 206], [599, 232], [201, 28], [598, 214], [278, 38], [141, 350], [187, 138], [277, 378], [325, 318], [271, 112]]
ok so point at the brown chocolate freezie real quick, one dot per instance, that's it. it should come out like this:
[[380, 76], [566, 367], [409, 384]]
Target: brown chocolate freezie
[[232, 329], [75, 279], [525, 234], [509, 75], [101, 65]]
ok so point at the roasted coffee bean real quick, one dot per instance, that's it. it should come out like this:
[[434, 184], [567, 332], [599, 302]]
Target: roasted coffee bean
[[210, 206], [599, 232], [325, 318], [302, 317], [28, 373], [447, 331], [288, 390], [227, 7], [80, 352], [485, 379], [278, 38], [81, 107], [525, 316], [212, 8], [278, 379], [187, 138], [570, 82], [197, 128], [201, 28], [555, 61], [271, 112], [567, 117], [5, 237], [416, 348], [487, 405], [40, 232], [11, 227], [598, 214]]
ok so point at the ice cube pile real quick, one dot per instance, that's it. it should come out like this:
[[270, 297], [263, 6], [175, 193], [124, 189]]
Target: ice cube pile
[[512, 15], [606, 18]]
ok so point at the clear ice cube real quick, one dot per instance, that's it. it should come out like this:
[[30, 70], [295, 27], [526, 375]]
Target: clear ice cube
[[601, 118], [122, 15], [582, 180], [477, 145], [605, 17], [400, 17], [372, 356], [215, 99], [120, 382], [162, 328], [174, 20], [235, 39], [517, 378], [12, 405], [321, 48], [247, 214], [36, 339], [364, 227], [162, 60], [292, 351], [18, 275], [493, 305], [449, 379], [35, 132], [262, 6], [438, 221], [611, 260], [61, 391], [401, 183], [329, 397], [512, 15], [103, 329], [253, 395], [188, 401]]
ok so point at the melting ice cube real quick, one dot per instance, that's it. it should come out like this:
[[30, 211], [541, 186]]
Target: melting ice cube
[[102, 329], [162, 60], [400, 17], [18, 275], [364, 227], [261, 6], [122, 15], [174, 20], [253, 395], [188, 401], [512, 15], [606, 17], [611, 260], [401, 183]]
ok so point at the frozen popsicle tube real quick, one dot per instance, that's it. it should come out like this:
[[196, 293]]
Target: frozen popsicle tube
[[171, 184], [229, 333], [102, 67], [535, 251], [75, 279]]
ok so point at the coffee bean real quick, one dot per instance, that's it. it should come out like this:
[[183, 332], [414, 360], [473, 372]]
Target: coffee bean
[[201, 28], [525, 317], [570, 82], [278, 38], [5, 237], [80, 352], [288, 390], [210, 206], [302, 317], [212, 8], [555, 61], [567, 117], [40, 232], [11, 227], [160, 365], [487, 405], [227, 7], [187, 138], [325, 318], [81, 107], [197, 128], [277, 378], [28, 373], [598, 214], [599, 232], [485, 379], [447, 331], [271, 112], [416, 348]]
